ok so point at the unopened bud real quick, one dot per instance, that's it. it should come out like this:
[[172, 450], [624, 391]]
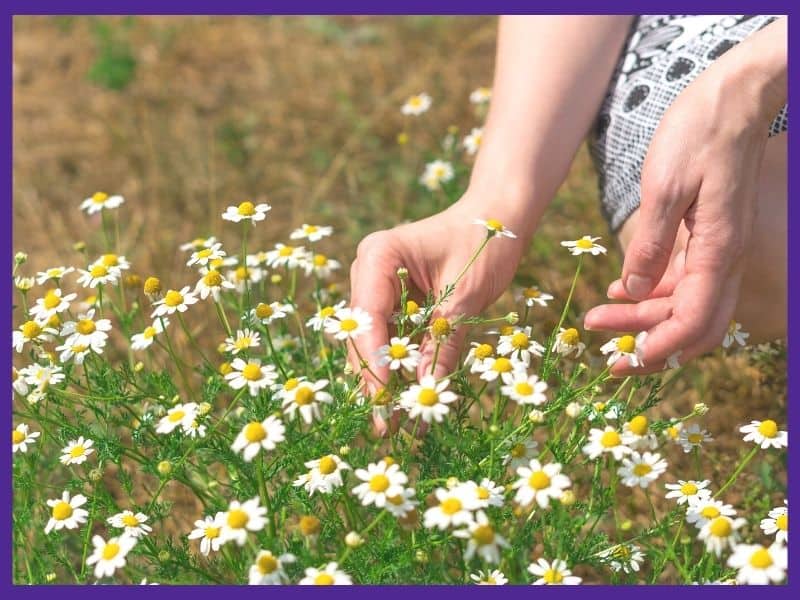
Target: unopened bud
[[700, 409], [389, 461], [50, 577], [573, 410], [309, 525], [536, 416], [344, 450], [79, 246], [96, 475], [493, 429], [152, 286], [138, 367], [20, 257], [421, 556], [452, 482], [402, 273], [204, 408], [567, 498], [626, 525], [353, 539], [225, 368], [164, 468], [512, 318], [164, 556], [132, 281]]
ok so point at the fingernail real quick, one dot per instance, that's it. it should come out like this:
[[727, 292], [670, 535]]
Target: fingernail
[[638, 286]]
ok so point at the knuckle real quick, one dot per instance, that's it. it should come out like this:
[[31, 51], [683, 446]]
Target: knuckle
[[651, 251]]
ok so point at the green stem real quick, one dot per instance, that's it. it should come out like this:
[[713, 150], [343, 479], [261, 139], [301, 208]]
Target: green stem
[[745, 461]]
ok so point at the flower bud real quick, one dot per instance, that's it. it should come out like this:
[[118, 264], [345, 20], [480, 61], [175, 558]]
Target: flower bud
[[23, 284], [567, 498], [452, 482], [152, 286], [164, 556], [20, 257], [700, 409], [421, 556], [353, 539], [309, 525], [96, 475], [164, 468], [79, 246], [402, 138], [573, 409], [344, 450], [402, 273], [512, 318], [204, 408], [536, 416]]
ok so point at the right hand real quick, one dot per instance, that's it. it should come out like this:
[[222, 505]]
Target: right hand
[[434, 251]]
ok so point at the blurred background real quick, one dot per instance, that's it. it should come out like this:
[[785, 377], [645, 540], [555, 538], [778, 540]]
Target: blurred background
[[185, 116]]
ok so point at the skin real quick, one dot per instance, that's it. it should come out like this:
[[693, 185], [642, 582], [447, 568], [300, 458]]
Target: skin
[[712, 206]]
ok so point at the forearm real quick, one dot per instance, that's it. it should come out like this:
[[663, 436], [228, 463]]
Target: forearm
[[551, 75]]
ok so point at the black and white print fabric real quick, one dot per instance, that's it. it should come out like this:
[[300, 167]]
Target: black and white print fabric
[[663, 55]]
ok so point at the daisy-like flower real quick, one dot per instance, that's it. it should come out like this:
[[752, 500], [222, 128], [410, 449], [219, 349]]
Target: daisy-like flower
[[312, 233], [242, 277], [349, 323], [252, 374], [323, 315], [241, 518], [693, 437], [198, 244], [519, 346], [436, 173], [587, 244], [330, 574], [735, 335], [520, 454], [53, 273], [180, 415], [77, 451], [765, 434], [493, 577], [477, 354], [195, 429], [42, 376], [23, 284], [31, 332], [209, 532], [290, 257], [703, 510], [759, 565], [487, 493], [21, 437], [324, 475], [494, 228], [268, 569], [86, 331], [472, 142], [402, 504], [78, 352], [525, 389], [174, 301], [688, 491], [212, 283], [777, 524], [540, 483], [134, 524], [413, 312], [305, 398], [482, 539], [416, 104], [267, 313], [568, 341], [502, 367], [399, 353], [141, 341], [606, 441], [552, 573], [480, 95], [454, 508], [108, 556], [100, 200], [625, 345], [99, 274], [206, 255], [257, 435], [641, 469], [623, 557], [532, 295], [638, 435], [112, 261], [428, 399], [244, 340], [246, 211], [381, 481], [65, 512], [720, 533], [320, 265], [52, 304]]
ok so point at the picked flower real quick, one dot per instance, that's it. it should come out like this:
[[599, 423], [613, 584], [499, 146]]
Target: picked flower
[[495, 227]]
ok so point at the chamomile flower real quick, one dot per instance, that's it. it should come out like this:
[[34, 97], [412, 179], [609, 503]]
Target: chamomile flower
[[100, 200], [320, 265], [304, 400], [472, 142], [141, 341], [241, 518], [86, 331], [625, 346], [735, 335], [77, 451], [482, 539], [256, 435], [23, 284], [198, 244], [312, 233], [487, 493], [693, 437], [134, 524], [323, 315], [324, 474], [18, 382], [525, 389], [519, 346], [381, 481], [204, 256], [455, 507], [108, 556], [638, 434], [180, 415], [428, 399], [606, 441], [480, 95], [417, 104], [244, 340], [267, 313], [690, 491], [759, 565], [31, 332], [765, 434], [112, 261], [66, 512], [242, 277], [552, 573], [195, 429], [777, 524], [268, 569], [641, 469], [623, 557], [78, 352], [42, 376], [413, 312], [252, 374], [402, 504], [436, 173], [720, 533], [247, 211], [53, 303], [290, 257], [540, 483], [703, 510], [349, 323], [477, 354], [209, 532], [174, 301], [99, 274], [520, 454], [502, 367], [494, 228], [400, 353], [493, 577], [587, 244], [22, 437], [330, 574], [53, 273], [568, 341]]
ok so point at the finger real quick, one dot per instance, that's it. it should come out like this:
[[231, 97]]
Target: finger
[[639, 316], [665, 287]]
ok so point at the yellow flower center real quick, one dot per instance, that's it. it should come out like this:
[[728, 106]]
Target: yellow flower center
[[176, 416], [286, 251], [246, 209], [152, 285], [584, 244], [320, 260], [243, 342], [396, 500], [694, 438], [524, 388], [531, 292], [110, 550], [212, 278], [86, 326], [688, 489], [494, 225], [51, 300], [211, 533], [304, 396], [110, 260], [252, 372], [242, 273], [610, 439], [570, 336], [149, 332], [254, 432], [642, 469], [502, 365], [638, 425], [130, 521], [761, 559], [348, 324], [451, 506], [483, 534], [415, 101], [440, 327], [327, 311], [99, 197], [428, 397], [768, 428], [173, 298], [518, 450], [539, 480], [225, 368], [327, 465], [77, 451], [379, 483], [98, 271], [782, 522], [710, 512], [237, 518], [323, 579], [626, 344], [673, 432], [54, 321], [482, 493], [17, 437], [204, 253], [552, 576], [519, 340], [310, 228], [291, 384], [412, 308], [31, 329], [721, 527], [264, 311], [62, 511], [483, 351], [267, 564], [398, 351]]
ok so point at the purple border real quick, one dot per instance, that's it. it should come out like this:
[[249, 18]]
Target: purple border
[[233, 7]]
